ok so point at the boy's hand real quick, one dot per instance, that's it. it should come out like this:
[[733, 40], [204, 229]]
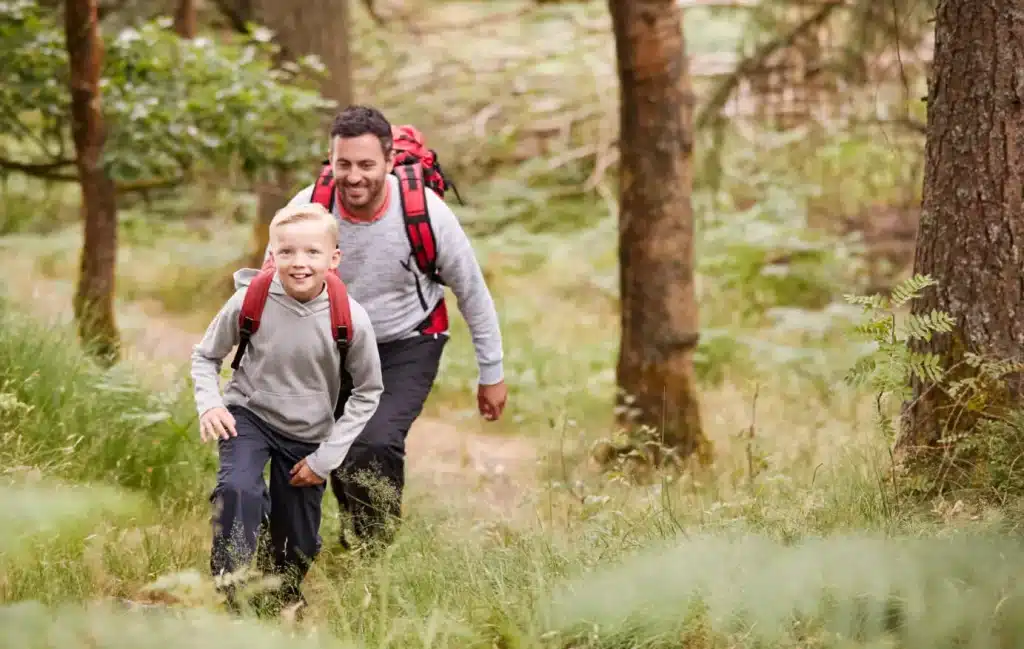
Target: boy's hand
[[303, 476], [217, 423], [490, 399]]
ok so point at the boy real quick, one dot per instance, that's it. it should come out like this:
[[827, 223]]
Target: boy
[[280, 403]]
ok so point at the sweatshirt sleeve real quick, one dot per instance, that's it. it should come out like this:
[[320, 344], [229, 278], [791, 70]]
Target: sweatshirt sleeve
[[458, 267], [207, 357], [363, 365]]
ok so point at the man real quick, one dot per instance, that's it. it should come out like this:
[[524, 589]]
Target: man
[[406, 308]]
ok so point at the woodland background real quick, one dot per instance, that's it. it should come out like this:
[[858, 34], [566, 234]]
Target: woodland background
[[757, 269]]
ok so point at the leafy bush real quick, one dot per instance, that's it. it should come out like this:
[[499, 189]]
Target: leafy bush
[[171, 104]]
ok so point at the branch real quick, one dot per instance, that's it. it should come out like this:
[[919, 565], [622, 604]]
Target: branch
[[44, 170], [52, 171], [755, 61]]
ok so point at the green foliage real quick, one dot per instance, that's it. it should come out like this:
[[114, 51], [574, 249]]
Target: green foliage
[[30, 625], [171, 105], [842, 592], [62, 414], [888, 368]]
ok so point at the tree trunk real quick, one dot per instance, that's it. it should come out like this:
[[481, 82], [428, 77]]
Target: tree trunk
[[185, 19], [319, 27], [656, 257], [94, 298], [972, 224]]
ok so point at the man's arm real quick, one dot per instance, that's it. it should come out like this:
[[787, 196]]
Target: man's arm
[[458, 266], [220, 337], [363, 365]]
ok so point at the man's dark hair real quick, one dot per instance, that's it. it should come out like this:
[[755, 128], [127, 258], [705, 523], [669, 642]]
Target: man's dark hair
[[360, 120]]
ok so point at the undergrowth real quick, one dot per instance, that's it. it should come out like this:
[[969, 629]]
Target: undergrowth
[[595, 563]]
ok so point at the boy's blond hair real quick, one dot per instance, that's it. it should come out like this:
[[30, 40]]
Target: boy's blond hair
[[306, 212]]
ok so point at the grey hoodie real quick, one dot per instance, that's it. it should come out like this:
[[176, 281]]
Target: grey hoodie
[[290, 374]]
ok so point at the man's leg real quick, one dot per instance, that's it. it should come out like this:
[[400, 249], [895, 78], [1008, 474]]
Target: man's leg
[[238, 497], [294, 518], [370, 482]]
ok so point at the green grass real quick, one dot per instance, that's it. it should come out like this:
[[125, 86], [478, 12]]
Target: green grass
[[755, 549]]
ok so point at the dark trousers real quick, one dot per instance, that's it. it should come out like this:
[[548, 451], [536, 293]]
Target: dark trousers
[[240, 504], [369, 483]]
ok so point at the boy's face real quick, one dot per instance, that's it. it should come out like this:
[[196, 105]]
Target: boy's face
[[304, 253]]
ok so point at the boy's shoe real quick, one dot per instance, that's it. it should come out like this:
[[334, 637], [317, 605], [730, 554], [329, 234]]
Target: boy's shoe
[[294, 612]]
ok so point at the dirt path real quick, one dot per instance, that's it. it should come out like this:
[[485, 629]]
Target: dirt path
[[485, 476]]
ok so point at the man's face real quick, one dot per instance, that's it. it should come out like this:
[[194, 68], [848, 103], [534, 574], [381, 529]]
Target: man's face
[[304, 253], [360, 171]]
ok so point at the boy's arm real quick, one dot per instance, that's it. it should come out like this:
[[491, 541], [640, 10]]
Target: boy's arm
[[363, 365], [458, 266], [220, 337]]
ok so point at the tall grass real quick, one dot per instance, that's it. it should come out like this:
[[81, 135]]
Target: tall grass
[[68, 418], [579, 568]]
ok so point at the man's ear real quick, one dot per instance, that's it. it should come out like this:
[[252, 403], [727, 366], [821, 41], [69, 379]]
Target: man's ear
[[389, 160]]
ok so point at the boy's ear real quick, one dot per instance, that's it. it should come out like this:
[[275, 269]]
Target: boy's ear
[[335, 258]]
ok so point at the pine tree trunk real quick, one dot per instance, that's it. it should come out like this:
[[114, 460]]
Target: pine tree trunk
[[319, 27], [972, 221], [94, 298], [656, 256]]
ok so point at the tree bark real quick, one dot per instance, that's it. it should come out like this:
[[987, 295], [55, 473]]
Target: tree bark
[[972, 224], [319, 27], [94, 298], [655, 372], [185, 19]]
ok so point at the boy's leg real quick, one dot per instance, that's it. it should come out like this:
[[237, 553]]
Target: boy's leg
[[408, 367], [294, 518], [238, 497]]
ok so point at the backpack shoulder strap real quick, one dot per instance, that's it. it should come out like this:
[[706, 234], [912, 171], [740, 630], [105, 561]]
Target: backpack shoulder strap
[[418, 229], [252, 311], [341, 313], [323, 190]]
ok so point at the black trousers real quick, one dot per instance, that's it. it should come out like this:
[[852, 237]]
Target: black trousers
[[369, 483], [241, 508]]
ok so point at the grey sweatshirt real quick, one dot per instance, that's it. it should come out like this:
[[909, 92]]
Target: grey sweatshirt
[[290, 374], [377, 266]]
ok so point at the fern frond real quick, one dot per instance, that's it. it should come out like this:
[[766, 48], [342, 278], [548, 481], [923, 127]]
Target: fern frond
[[910, 289], [926, 366], [922, 326], [878, 329], [869, 302]]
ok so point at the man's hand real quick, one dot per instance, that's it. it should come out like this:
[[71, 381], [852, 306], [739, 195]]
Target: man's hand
[[303, 476], [490, 399], [216, 423]]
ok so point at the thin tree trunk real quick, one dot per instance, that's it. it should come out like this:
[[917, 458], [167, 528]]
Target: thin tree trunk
[[94, 298], [972, 221], [185, 19], [319, 27], [656, 255]]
